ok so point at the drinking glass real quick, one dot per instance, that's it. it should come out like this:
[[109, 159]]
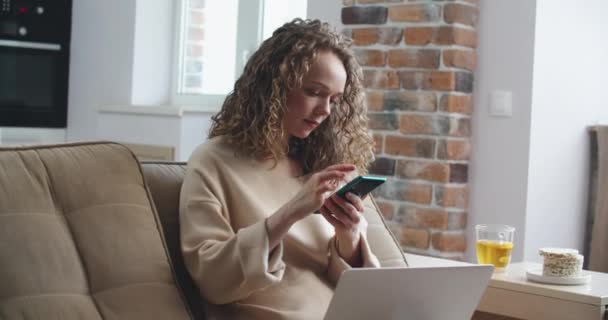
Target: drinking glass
[[494, 245]]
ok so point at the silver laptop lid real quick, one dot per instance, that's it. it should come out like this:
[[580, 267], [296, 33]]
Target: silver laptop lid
[[409, 293]]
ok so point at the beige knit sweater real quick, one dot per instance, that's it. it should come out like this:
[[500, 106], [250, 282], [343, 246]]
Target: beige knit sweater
[[224, 201]]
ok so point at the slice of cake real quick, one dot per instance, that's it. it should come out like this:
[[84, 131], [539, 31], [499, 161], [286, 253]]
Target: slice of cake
[[560, 262]]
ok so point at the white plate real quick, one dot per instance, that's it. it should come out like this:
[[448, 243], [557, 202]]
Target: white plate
[[536, 275]]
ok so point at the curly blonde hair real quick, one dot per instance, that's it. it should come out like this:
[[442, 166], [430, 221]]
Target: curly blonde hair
[[252, 114]]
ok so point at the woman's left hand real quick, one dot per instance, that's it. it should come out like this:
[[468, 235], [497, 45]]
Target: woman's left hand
[[348, 221]]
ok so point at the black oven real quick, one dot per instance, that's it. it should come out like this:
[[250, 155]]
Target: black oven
[[34, 62]]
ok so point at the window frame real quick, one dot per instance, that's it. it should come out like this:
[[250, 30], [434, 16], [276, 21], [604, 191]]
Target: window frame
[[249, 35]]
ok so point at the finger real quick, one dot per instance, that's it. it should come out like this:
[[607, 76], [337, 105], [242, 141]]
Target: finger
[[329, 187], [347, 208], [344, 167], [333, 221], [355, 201], [339, 213], [330, 175]]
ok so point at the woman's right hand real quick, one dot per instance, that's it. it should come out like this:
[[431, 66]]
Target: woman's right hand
[[318, 188], [311, 197]]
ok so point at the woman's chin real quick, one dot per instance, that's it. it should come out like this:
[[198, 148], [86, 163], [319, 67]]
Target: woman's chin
[[302, 134]]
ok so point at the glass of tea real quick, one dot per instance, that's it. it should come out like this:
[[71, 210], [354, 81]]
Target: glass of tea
[[494, 245]]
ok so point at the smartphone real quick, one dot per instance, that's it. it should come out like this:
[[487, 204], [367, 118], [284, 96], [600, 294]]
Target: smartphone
[[361, 186]]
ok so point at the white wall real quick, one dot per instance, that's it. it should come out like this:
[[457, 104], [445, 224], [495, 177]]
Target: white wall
[[326, 11], [123, 57], [101, 62], [152, 56], [143, 129], [499, 162], [570, 67]]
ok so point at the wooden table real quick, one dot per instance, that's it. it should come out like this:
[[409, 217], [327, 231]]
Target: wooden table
[[511, 294]]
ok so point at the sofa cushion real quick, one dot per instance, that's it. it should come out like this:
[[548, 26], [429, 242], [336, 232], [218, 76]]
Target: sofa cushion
[[79, 238], [165, 181]]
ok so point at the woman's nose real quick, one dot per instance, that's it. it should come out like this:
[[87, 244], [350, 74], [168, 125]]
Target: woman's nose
[[324, 107]]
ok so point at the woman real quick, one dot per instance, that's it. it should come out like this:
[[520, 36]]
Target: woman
[[290, 133]]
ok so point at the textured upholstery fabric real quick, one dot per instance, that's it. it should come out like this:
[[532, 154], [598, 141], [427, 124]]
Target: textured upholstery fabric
[[79, 238], [165, 181], [382, 242]]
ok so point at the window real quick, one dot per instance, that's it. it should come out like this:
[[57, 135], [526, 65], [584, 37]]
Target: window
[[215, 39]]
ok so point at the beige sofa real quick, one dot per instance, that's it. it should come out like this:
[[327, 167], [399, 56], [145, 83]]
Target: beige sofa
[[87, 232]]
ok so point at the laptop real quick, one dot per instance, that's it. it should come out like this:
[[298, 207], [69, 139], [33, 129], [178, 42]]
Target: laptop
[[409, 293]]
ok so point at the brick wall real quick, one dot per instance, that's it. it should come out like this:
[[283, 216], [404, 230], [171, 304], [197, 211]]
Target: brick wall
[[195, 39], [418, 59]]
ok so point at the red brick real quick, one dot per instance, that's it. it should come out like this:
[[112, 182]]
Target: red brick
[[369, 36], [410, 101], [451, 149], [459, 127], [456, 103], [375, 100], [386, 209], [382, 166], [363, 36], [452, 196], [414, 13], [418, 35], [380, 79], [448, 35], [409, 147], [449, 242], [416, 238], [383, 121], [428, 80], [424, 217], [457, 220], [390, 36], [423, 170], [460, 13], [414, 58], [424, 124], [463, 59], [444, 35], [364, 15], [402, 190], [418, 193], [440, 80], [374, 58], [437, 80], [459, 173]]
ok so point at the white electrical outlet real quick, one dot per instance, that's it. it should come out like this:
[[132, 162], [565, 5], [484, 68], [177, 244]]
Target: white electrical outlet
[[501, 103]]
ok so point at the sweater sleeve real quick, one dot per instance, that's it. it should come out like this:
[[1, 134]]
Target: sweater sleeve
[[337, 264], [226, 265]]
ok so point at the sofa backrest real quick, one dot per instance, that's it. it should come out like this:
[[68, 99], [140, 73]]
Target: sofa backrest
[[79, 238], [165, 180]]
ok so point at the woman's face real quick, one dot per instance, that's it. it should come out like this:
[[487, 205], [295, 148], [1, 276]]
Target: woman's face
[[322, 87]]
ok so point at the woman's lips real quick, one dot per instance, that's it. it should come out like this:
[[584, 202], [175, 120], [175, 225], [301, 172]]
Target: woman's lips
[[311, 123]]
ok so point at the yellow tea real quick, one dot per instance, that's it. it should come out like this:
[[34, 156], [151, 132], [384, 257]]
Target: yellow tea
[[497, 253]]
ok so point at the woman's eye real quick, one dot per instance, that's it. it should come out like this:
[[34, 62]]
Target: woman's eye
[[312, 92]]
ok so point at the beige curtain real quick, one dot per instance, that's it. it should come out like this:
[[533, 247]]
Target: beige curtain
[[598, 206]]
